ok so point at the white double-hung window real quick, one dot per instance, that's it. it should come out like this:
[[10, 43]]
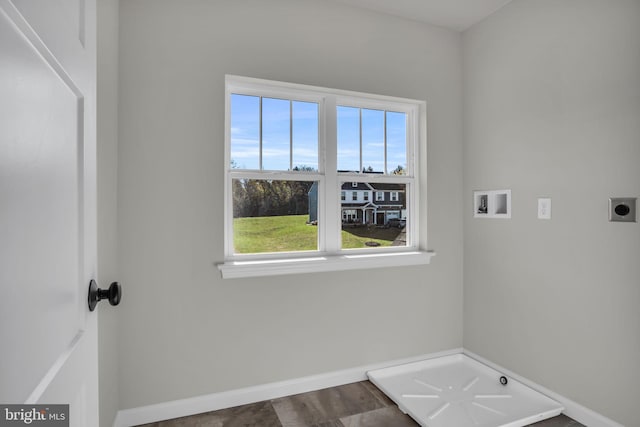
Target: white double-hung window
[[292, 152]]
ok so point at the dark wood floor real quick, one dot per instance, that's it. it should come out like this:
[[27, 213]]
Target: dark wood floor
[[353, 405]]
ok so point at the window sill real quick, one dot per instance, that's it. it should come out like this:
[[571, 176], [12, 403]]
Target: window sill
[[316, 264]]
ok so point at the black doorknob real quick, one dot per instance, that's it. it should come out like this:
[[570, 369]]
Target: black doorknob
[[113, 294]]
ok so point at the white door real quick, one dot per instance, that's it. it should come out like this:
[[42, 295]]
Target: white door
[[48, 337]]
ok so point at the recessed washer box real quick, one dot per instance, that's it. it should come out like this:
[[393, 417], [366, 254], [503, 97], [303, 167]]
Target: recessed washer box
[[492, 204], [622, 209]]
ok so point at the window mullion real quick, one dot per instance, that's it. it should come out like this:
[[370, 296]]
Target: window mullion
[[331, 218], [290, 135], [260, 135], [386, 167], [361, 165], [274, 175]]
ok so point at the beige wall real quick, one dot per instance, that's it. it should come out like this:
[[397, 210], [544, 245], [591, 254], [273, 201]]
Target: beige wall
[[552, 109], [183, 330]]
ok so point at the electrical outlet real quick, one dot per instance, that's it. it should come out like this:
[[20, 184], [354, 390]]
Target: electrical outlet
[[622, 209], [544, 208]]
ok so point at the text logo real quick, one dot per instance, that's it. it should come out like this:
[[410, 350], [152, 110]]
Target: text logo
[[34, 415]]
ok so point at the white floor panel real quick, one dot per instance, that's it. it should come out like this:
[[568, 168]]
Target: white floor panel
[[457, 391]]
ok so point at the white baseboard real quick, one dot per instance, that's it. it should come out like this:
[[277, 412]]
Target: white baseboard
[[572, 409], [244, 396]]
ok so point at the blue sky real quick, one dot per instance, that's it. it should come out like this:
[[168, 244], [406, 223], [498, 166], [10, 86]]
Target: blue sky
[[282, 118]]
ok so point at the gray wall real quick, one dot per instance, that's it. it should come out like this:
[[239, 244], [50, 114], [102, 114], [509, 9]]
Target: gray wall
[[107, 158], [552, 109], [184, 331]]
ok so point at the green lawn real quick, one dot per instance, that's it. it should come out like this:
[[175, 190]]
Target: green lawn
[[291, 233]]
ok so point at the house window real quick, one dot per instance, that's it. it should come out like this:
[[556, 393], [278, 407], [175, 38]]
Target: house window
[[290, 149], [349, 215]]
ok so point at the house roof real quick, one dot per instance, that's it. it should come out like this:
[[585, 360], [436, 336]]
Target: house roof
[[372, 186], [359, 205], [388, 186], [346, 186]]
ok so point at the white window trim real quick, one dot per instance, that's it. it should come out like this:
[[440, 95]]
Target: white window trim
[[317, 264], [330, 257]]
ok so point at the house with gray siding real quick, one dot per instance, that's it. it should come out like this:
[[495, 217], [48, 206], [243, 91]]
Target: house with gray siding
[[366, 203]]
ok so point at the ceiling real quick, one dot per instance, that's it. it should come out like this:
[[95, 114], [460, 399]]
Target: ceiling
[[454, 14]]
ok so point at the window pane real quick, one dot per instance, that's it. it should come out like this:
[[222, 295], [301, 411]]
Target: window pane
[[396, 143], [374, 223], [245, 132], [305, 136], [275, 134], [274, 216], [372, 141], [348, 139]]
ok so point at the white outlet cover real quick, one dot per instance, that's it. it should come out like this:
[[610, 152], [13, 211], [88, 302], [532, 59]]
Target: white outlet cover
[[544, 208]]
